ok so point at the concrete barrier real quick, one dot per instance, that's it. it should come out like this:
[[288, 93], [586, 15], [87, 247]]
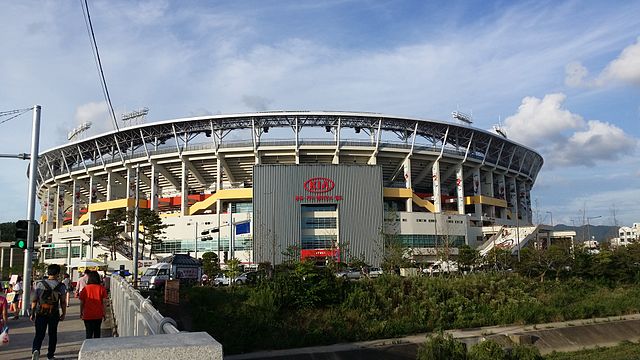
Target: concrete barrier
[[192, 346]]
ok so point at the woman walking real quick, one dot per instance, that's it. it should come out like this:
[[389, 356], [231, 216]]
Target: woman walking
[[17, 299], [92, 299]]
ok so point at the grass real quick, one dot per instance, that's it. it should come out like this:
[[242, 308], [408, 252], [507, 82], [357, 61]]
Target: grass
[[624, 351]]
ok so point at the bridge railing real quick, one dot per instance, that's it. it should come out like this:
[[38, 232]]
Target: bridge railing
[[135, 315]]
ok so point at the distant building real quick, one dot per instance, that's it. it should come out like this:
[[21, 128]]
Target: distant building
[[627, 235]]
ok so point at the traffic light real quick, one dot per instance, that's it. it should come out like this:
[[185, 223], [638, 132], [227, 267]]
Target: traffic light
[[22, 227]]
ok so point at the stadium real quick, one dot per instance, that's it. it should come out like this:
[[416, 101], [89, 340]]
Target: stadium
[[325, 184]]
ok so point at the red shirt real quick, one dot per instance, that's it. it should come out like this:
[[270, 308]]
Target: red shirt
[[91, 298]]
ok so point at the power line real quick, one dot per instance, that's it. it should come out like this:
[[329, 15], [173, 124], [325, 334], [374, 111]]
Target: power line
[[96, 56], [15, 114]]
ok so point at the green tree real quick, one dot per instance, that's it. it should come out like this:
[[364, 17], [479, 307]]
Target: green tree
[[499, 259], [233, 269], [108, 230], [396, 255], [467, 257], [210, 263], [152, 226], [291, 254], [442, 347]]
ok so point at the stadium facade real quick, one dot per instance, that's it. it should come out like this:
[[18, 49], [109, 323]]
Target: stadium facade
[[323, 184]]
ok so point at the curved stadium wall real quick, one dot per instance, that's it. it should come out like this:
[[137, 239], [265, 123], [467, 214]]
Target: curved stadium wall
[[200, 171]]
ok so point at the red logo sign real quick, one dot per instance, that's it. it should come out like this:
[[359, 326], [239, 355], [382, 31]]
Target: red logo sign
[[319, 185]]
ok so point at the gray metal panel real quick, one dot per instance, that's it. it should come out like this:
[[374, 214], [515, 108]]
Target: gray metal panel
[[277, 208]]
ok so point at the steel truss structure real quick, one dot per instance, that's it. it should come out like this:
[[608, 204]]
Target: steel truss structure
[[210, 153]]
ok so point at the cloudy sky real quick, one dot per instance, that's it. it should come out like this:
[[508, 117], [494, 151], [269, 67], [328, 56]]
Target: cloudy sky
[[563, 77]]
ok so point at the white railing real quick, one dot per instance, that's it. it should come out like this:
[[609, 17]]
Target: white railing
[[135, 315]]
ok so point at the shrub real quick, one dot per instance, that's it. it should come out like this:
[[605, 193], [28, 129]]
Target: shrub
[[442, 347], [487, 350], [525, 352]]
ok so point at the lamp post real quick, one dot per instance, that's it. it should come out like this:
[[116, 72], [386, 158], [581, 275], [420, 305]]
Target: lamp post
[[589, 225]]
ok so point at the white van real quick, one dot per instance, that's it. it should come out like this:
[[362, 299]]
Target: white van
[[155, 276]]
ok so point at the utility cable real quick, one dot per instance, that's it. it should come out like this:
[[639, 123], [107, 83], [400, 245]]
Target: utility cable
[[15, 114], [96, 55]]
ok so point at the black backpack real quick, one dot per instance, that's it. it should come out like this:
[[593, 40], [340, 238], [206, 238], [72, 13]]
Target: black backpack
[[49, 300]]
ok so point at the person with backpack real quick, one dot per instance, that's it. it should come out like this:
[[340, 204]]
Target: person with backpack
[[92, 299], [48, 307]]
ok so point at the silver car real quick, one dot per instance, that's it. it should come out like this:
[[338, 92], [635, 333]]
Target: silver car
[[349, 274]]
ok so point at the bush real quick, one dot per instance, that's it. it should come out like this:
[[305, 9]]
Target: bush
[[306, 306], [487, 350], [525, 352], [442, 347]]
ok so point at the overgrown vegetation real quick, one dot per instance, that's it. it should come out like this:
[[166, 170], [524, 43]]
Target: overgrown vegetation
[[303, 305]]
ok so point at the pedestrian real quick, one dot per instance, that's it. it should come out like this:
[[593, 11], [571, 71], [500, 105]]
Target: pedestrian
[[48, 308], [4, 309], [67, 283], [92, 299], [17, 298], [82, 282]]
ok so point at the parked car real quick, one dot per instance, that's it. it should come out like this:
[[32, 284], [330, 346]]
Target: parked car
[[349, 274], [220, 280], [374, 272], [224, 280], [441, 267], [241, 279]]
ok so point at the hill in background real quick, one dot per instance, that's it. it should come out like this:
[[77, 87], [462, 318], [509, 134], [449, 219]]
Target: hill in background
[[600, 233]]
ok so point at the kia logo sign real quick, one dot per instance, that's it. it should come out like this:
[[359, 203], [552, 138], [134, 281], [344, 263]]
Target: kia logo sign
[[319, 185]]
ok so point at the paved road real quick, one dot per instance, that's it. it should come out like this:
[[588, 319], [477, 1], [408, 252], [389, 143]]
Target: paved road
[[70, 336]]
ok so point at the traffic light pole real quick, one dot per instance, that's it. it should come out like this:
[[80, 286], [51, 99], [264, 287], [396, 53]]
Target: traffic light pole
[[31, 210]]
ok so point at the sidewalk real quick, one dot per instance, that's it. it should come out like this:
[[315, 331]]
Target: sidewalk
[[71, 334]]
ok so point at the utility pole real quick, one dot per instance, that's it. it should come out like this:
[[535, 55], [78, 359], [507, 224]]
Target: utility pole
[[136, 232], [589, 225], [31, 209]]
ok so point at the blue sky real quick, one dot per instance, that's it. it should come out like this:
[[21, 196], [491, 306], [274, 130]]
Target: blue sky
[[562, 76]]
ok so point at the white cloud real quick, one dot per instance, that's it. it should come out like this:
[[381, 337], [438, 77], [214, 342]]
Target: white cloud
[[563, 137], [600, 141], [625, 68], [96, 113], [575, 74], [539, 121]]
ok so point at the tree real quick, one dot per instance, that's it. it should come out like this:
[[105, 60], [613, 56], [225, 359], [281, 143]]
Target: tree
[[152, 227], [210, 263], [536, 261], [499, 259], [108, 230], [467, 257], [233, 269], [291, 254]]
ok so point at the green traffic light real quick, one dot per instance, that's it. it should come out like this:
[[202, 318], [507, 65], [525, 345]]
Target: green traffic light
[[21, 244]]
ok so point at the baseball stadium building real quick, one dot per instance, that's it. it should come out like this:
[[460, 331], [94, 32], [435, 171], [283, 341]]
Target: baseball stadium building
[[325, 184]]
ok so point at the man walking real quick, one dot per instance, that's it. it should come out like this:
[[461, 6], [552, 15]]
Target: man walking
[[47, 302]]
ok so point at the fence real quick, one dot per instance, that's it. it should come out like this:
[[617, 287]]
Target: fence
[[135, 315]]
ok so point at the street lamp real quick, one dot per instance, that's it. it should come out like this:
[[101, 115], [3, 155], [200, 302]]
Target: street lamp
[[551, 214], [589, 225]]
